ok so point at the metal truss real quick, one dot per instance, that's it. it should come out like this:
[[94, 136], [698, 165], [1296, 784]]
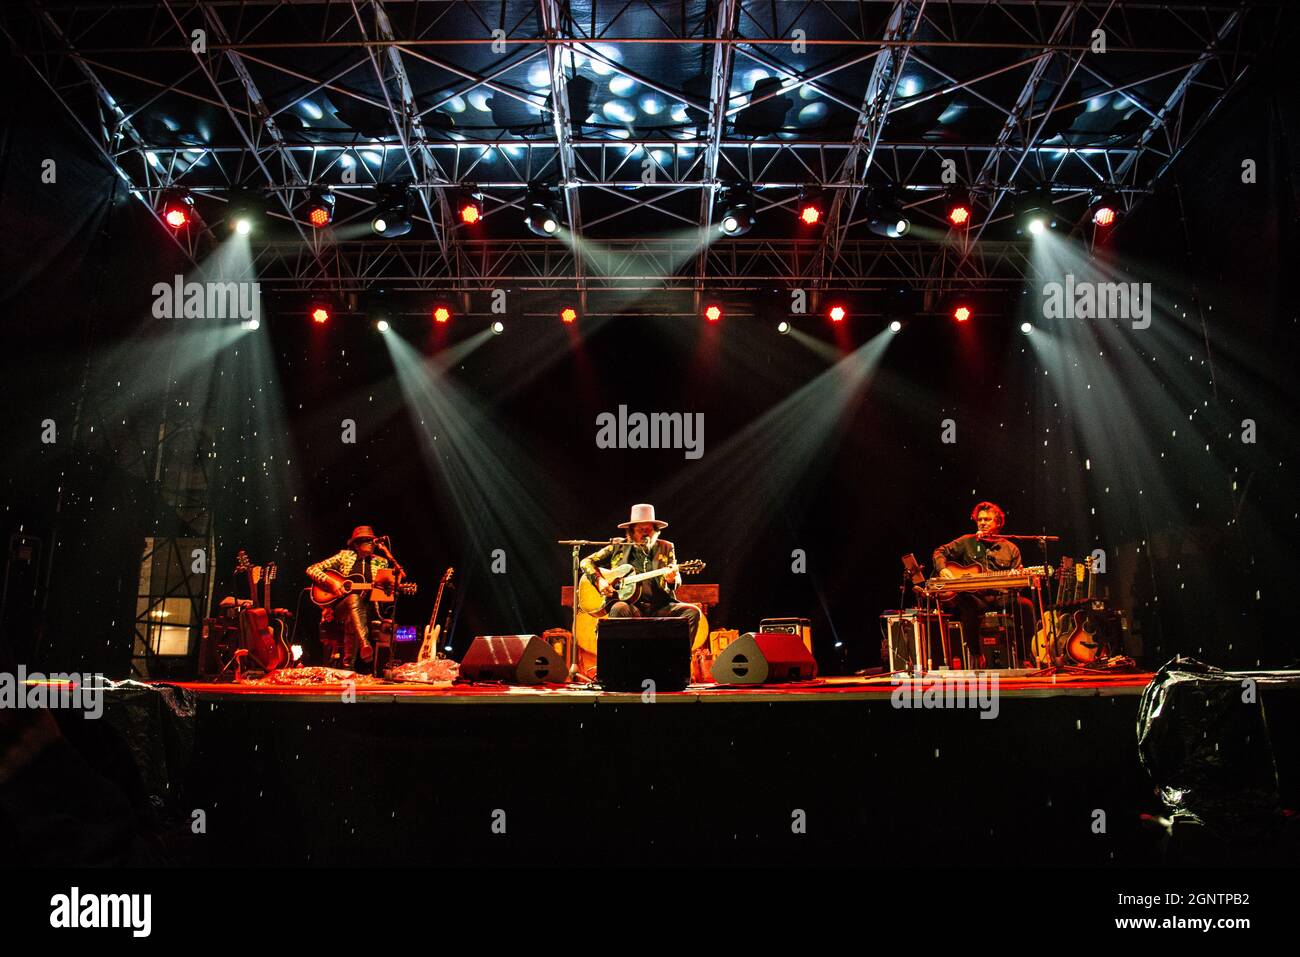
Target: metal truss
[[416, 266], [113, 63]]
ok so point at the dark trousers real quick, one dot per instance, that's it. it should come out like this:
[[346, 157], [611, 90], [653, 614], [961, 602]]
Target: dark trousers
[[972, 606], [672, 609], [353, 613]]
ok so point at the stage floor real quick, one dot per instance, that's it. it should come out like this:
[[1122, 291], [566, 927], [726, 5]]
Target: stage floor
[[1013, 684]]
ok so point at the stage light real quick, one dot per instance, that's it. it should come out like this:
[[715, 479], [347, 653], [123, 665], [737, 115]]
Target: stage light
[[885, 216], [961, 313], [811, 206], [1034, 212], [895, 326], [498, 327], [541, 214], [470, 208], [1026, 328], [253, 324], [320, 315], [176, 209], [392, 216], [713, 313], [243, 210], [382, 325], [837, 313], [783, 327], [958, 209], [320, 208], [738, 215], [568, 314], [1104, 210], [442, 314]]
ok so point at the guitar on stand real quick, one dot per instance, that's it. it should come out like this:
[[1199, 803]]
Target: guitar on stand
[[1047, 642], [261, 632], [433, 630]]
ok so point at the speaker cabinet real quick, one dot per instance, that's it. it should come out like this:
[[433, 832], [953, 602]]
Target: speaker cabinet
[[794, 626], [764, 658], [634, 650], [514, 659]]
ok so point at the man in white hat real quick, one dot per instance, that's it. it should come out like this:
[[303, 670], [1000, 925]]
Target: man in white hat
[[644, 550]]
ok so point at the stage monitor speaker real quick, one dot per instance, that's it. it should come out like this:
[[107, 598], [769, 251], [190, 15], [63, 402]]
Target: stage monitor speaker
[[794, 626], [514, 659], [764, 658], [633, 650]]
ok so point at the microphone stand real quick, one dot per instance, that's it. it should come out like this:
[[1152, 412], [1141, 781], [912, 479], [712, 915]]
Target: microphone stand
[[399, 573], [571, 652]]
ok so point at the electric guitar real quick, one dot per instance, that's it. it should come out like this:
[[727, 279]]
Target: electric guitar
[[259, 631], [628, 584], [338, 586], [429, 647]]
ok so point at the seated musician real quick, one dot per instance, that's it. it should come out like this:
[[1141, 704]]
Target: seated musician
[[643, 550], [353, 611], [989, 552]]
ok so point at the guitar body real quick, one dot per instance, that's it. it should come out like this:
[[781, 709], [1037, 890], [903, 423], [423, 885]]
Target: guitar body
[[264, 639], [338, 586]]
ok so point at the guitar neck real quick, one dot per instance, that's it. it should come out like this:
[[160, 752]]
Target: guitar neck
[[643, 576]]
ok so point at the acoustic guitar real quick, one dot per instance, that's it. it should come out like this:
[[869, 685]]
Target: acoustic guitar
[[1086, 641], [338, 586], [628, 584], [260, 632]]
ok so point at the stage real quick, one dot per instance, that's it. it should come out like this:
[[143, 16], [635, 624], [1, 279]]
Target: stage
[[832, 771]]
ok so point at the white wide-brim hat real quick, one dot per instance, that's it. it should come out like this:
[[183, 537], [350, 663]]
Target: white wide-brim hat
[[643, 513]]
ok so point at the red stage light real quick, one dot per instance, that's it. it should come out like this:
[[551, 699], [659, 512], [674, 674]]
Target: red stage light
[[811, 215], [713, 313], [319, 216], [470, 213], [959, 214], [1103, 216], [961, 313], [441, 314], [837, 313], [176, 217], [320, 314], [569, 314]]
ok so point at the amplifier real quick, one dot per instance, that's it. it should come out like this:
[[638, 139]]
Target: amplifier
[[791, 626], [912, 638]]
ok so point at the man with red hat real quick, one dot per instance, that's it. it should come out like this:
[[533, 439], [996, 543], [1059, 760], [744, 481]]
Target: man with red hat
[[353, 610], [644, 550]]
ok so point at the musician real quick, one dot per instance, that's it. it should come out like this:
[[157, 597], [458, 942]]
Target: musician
[[353, 610], [992, 553], [644, 550]]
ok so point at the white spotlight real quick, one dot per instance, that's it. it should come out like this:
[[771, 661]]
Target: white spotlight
[[1035, 226], [1026, 328], [895, 326], [382, 325], [498, 327], [783, 327]]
